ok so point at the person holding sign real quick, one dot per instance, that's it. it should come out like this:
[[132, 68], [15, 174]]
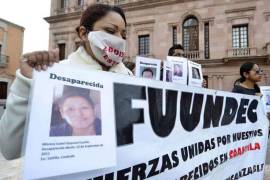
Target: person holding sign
[[78, 113], [250, 74], [102, 32]]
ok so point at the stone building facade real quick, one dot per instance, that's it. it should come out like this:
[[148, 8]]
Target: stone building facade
[[219, 34], [11, 47]]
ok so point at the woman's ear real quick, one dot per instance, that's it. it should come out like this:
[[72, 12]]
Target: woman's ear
[[246, 74], [82, 32]]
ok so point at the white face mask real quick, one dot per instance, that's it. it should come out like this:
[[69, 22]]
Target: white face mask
[[107, 48]]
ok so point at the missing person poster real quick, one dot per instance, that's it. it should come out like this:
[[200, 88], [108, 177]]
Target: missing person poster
[[148, 68], [167, 71], [195, 77], [179, 69], [163, 131], [70, 128], [266, 98]]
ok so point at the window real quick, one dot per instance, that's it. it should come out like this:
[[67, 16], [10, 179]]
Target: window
[[80, 2], [63, 4], [144, 44], [240, 36], [206, 41], [62, 51], [191, 34], [174, 35], [3, 90]]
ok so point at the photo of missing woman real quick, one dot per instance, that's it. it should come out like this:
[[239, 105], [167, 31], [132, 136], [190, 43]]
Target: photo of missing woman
[[196, 73], [75, 112], [178, 70]]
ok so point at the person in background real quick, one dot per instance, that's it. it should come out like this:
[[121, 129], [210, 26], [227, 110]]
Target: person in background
[[100, 24], [176, 50], [250, 74]]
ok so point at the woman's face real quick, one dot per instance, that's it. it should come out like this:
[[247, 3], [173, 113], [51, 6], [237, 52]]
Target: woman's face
[[112, 23], [255, 74], [78, 112], [177, 69]]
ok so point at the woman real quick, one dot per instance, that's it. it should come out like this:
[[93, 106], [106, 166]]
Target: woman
[[78, 116], [250, 74], [102, 34], [178, 70]]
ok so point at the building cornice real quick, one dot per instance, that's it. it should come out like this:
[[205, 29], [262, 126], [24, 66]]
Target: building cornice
[[12, 24], [216, 62], [63, 17], [142, 4], [253, 8]]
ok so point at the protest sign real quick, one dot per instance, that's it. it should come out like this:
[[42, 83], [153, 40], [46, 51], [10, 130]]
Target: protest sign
[[148, 68], [188, 133], [266, 98], [167, 71], [179, 69], [195, 77], [67, 124]]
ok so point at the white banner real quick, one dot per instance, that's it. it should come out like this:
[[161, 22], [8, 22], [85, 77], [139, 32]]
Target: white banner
[[193, 133]]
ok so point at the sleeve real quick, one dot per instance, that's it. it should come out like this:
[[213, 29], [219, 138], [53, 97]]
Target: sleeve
[[12, 122]]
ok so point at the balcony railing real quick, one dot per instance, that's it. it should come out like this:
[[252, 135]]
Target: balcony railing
[[194, 55], [242, 52], [3, 60]]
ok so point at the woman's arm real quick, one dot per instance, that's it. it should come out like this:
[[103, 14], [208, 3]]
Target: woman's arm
[[12, 122]]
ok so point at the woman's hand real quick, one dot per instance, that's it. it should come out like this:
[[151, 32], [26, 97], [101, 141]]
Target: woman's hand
[[39, 60]]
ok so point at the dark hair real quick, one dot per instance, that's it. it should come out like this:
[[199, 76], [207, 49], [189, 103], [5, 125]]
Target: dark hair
[[95, 12], [149, 70], [173, 48], [130, 65], [246, 68], [67, 95]]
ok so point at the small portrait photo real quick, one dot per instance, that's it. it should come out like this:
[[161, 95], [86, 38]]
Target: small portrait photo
[[196, 73], [75, 112], [148, 72], [168, 76], [267, 99], [178, 70]]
